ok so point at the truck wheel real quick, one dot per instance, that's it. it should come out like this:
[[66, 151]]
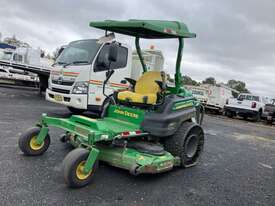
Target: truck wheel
[[187, 144], [229, 114], [28, 145], [75, 110], [257, 117], [73, 166]]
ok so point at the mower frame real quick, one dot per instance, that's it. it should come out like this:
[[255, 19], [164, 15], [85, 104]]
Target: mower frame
[[106, 138]]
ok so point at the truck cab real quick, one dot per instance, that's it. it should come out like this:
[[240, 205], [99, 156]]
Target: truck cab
[[77, 76]]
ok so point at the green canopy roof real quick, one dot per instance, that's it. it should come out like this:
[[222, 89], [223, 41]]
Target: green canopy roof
[[150, 29]]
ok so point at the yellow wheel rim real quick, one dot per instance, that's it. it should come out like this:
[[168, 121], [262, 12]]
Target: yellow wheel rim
[[34, 145], [80, 171]]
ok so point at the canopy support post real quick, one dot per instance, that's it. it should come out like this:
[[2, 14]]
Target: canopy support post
[[178, 77], [140, 55]]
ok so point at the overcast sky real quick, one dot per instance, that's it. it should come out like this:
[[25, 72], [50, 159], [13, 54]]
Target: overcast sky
[[235, 38]]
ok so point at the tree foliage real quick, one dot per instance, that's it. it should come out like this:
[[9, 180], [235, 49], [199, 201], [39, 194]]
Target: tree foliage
[[15, 42], [209, 80], [240, 86], [186, 80]]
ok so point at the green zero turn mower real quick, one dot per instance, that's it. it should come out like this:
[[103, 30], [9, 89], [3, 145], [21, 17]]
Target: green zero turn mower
[[149, 128]]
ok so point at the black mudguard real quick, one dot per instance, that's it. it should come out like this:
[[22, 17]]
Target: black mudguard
[[165, 122]]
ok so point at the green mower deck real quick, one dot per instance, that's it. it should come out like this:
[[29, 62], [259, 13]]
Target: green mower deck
[[88, 133]]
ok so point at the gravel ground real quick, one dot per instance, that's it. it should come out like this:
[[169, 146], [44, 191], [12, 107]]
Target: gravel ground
[[237, 167]]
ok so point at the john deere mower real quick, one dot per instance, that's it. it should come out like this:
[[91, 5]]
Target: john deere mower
[[151, 127]]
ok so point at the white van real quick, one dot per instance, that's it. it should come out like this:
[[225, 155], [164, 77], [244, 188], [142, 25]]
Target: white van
[[218, 96], [76, 79], [199, 92]]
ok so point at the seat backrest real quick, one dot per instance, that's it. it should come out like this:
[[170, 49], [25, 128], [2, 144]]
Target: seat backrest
[[146, 83]]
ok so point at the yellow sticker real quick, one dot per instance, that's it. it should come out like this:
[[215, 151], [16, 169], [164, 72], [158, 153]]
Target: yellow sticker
[[126, 113]]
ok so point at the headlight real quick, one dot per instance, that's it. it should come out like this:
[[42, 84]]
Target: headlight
[[80, 88], [49, 83]]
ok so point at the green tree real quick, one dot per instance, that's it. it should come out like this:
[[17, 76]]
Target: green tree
[[15, 42], [209, 80], [240, 86], [186, 80]]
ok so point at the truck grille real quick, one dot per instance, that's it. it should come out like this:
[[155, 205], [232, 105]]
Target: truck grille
[[65, 83], [64, 91]]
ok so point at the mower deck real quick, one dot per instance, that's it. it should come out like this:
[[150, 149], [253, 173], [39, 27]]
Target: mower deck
[[91, 133], [135, 161]]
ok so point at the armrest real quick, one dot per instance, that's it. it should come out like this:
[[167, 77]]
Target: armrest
[[161, 85], [131, 81]]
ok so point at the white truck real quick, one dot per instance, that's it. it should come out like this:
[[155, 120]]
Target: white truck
[[18, 77], [218, 95], [246, 106], [23, 55], [20, 55], [77, 76], [153, 59], [199, 92]]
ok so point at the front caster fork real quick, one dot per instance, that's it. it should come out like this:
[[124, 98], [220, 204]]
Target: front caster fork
[[42, 135], [91, 160]]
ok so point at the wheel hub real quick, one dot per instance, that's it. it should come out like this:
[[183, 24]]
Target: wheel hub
[[34, 145], [80, 171], [191, 146]]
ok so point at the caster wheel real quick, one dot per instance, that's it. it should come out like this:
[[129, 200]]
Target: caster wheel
[[28, 145], [73, 166]]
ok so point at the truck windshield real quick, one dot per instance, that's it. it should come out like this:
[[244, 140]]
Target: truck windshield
[[6, 56], [248, 97], [196, 92], [79, 52]]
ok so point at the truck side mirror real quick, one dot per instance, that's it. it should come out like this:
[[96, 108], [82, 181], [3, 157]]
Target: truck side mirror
[[107, 56], [112, 57], [109, 73]]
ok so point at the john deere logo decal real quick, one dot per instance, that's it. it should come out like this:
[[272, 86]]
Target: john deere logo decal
[[126, 113]]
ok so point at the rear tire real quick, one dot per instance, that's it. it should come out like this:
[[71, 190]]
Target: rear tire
[[73, 168], [187, 144], [75, 110]]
